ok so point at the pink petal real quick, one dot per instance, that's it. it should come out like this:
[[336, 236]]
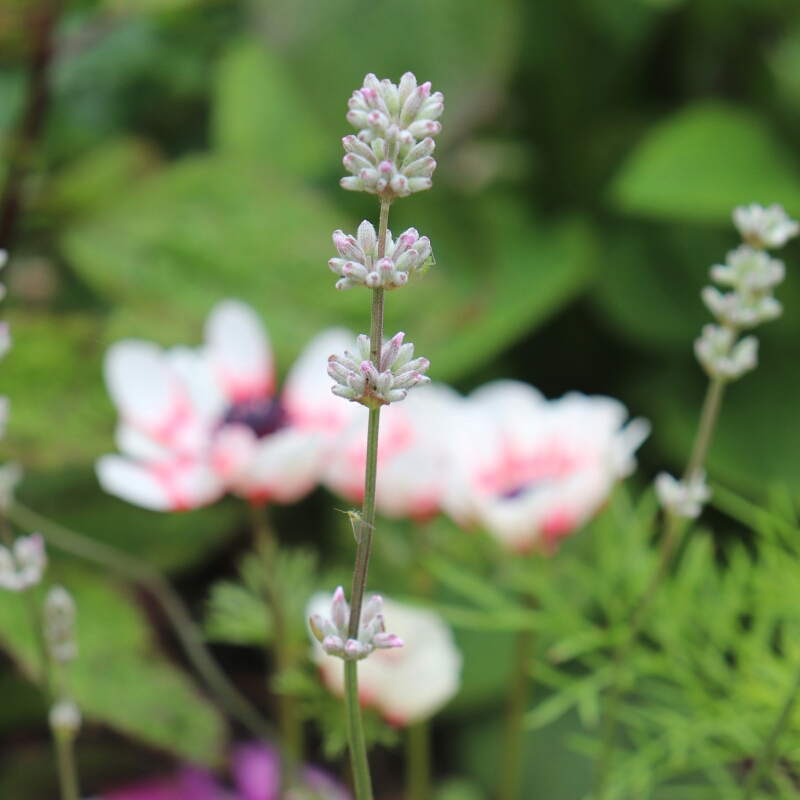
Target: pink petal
[[235, 446], [239, 351]]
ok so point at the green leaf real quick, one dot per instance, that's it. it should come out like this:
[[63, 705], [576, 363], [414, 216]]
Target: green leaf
[[67, 418], [698, 164], [468, 585], [237, 616], [259, 114], [118, 679]]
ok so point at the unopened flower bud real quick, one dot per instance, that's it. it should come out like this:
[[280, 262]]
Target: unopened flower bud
[[23, 565], [59, 625], [681, 498], [765, 227], [720, 358], [65, 719]]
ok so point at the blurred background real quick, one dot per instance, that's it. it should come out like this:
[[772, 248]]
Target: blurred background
[[159, 155]]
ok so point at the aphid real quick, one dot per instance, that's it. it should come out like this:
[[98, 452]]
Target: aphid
[[356, 521]]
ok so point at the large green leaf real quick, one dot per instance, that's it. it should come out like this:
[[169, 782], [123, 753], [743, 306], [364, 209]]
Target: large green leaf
[[60, 413], [119, 679], [260, 115], [698, 164]]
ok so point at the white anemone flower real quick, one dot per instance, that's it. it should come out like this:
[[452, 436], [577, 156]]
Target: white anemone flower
[[197, 423], [407, 684], [413, 454], [533, 471]]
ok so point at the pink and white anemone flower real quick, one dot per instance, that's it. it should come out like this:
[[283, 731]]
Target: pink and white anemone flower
[[413, 454], [197, 423], [406, 684], [533, 471]]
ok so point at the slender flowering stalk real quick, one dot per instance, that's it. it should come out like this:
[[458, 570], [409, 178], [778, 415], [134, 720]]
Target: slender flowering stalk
[[385, 159], [750, 274]]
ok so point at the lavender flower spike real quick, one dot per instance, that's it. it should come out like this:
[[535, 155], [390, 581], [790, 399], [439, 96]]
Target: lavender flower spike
[[764, 228], [23, 565], [361, 381], [332, 633]]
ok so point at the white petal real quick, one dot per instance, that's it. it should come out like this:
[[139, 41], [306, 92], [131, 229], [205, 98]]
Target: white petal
[[176, 486], [307, 395], [287, 465], [239, 351], [133, 443], [197, 376], [233, 452], [141, 384]]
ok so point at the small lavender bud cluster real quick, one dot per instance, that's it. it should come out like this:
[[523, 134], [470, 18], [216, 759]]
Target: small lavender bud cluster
[[765, 228], [751, 275], [359, 264], [23, 565], [374, 173], [332, 633], [684, 499], [59, 625], [361, 381], [387, 158], [65, 719]]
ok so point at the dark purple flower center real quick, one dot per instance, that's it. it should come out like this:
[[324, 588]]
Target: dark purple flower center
[[262, 415]]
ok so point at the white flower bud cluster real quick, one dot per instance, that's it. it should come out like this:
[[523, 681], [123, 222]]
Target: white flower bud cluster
[[359, 380], [332, 633], [765, 228], [59, 625], [23, 565], [65, 718], [718, 354], [751, 274], [387, 157], [374, 173], [683, 499], [359, 264]]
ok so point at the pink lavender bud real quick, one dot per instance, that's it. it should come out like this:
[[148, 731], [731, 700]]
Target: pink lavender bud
[[352, 184], [333, 645], [385, 641], [315, 623], [354, 649], [391, 350], [372, 607], [339, 611]]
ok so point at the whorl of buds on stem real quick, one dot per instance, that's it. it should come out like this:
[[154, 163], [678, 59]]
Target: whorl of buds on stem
[[684, 499], [23, 565], [387, 157], [359, 264], [361, 381], [332, 633]]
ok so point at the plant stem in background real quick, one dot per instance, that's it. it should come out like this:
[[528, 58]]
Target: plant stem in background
[[63, 742], [418, 761], [766, 760], [513, 744], [188, 632], [358, 750], [291, 729], [669, 545], [42, 19]]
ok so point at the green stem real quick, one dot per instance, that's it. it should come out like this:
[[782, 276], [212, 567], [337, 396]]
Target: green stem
[[418, 761], [669, 545], [512, 756], [67, 769], [188, 632], [290, 726], [705, 429], [358, 750], [767, 759], [355, 733]]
